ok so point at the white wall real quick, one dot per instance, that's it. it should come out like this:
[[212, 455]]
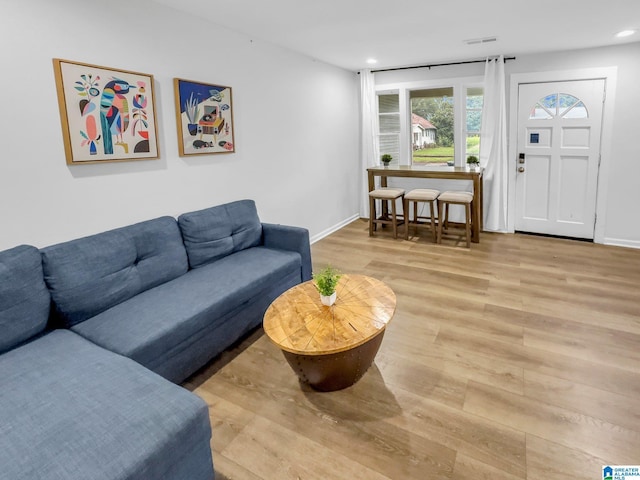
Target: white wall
[[620, 176], [296, 124]]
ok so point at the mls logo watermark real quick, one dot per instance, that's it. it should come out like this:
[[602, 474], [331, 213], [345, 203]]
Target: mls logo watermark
[[621, 472]]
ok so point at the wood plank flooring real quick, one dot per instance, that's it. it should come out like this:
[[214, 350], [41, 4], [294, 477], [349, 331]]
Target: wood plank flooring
[[516, 359]]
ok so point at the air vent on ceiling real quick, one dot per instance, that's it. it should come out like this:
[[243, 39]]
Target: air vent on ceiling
[[479, 41]]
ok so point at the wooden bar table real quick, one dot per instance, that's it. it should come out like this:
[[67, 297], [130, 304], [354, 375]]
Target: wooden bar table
[[441, 172], [331, 348]]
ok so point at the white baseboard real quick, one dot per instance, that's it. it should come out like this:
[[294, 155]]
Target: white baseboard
[[335, 228], [622, 243]]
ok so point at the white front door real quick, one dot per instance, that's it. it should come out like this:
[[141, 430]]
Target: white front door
[[559, 126]]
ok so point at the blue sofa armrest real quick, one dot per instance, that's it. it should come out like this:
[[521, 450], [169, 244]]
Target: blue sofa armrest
[[295, 239]]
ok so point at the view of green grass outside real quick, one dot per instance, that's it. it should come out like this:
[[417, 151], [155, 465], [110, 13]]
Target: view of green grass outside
[[442, 155], [433, 155], [473, 145]]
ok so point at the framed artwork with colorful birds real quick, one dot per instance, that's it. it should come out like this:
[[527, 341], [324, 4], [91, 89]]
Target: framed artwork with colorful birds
[[107, 115], [204, 116]]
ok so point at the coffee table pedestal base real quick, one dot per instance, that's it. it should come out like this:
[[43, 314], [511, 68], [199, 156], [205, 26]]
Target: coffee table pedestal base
[[335, 371]]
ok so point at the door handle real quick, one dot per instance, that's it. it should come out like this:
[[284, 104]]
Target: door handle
[[521, 169]]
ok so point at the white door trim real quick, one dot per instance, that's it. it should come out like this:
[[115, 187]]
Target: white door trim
[[609, 74]]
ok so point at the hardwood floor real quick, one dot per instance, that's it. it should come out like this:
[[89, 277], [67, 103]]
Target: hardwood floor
[[516, 359]]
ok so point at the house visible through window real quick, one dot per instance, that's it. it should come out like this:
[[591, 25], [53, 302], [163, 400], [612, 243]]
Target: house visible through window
[[432, 126]]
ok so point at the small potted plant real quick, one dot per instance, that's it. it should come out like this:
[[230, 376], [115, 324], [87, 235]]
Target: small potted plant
[[326, 281], [386, 159], [473, 161]]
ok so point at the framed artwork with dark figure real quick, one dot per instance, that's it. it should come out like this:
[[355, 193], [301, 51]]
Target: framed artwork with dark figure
[[107, 115], [204, 115]]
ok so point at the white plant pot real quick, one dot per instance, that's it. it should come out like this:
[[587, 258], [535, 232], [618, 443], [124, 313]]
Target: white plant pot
[[328, 300]]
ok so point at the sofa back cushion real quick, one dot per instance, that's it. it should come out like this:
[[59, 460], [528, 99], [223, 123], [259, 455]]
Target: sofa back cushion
[[24, 298], [216, 232], [90, 275]]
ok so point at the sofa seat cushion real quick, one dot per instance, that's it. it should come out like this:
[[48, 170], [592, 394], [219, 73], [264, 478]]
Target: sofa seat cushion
[[89, 275], [72, 410], [159, 322], [24, 298]]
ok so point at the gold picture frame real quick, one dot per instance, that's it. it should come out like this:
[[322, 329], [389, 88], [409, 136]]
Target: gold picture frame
[[204, 117], [107, 115]]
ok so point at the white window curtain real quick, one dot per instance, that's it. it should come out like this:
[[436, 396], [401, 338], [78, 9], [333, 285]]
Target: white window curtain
[[493, 146], [368, 135]]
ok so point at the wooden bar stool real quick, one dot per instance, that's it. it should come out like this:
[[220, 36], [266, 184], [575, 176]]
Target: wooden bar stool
[[425, 195], [454, 198], [386, 195]]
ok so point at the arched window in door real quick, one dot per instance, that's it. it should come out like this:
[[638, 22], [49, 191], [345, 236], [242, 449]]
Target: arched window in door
[[558, 105]]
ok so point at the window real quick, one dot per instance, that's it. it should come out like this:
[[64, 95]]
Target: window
[[473, 115], [432, 126], [389, 125], [424, 124], [558, 105]]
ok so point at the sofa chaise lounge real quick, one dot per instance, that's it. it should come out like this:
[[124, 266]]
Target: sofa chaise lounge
[[94, 331]]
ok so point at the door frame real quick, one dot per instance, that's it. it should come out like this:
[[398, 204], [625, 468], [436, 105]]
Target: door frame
[[609, 74]]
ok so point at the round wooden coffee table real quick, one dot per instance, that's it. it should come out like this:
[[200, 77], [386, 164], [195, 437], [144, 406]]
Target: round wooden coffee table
[[330, 348]]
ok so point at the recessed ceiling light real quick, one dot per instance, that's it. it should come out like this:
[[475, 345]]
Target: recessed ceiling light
[[625, 33], [372, 61]]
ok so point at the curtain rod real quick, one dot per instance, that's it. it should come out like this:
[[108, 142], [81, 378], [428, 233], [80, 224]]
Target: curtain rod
[[437, 65]]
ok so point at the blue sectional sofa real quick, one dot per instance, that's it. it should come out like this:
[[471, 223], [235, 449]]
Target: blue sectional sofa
[[89, 328]]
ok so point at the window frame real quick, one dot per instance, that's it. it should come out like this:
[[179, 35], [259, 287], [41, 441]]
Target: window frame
[[440, 95], [403, 89]]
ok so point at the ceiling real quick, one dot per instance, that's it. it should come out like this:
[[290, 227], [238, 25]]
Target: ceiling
[[346, 33]]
